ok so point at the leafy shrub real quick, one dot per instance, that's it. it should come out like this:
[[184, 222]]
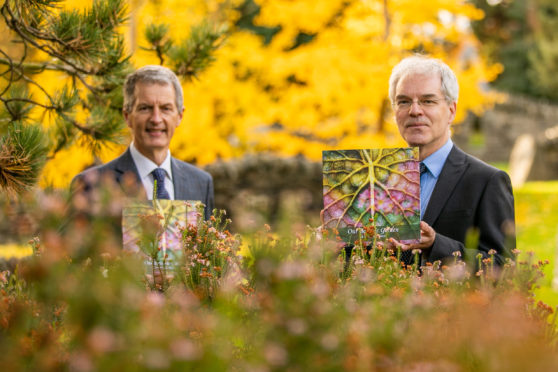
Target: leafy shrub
[[292, 303]]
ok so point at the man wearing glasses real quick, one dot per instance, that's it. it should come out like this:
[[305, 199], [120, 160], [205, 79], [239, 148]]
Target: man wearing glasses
[[459, 193]]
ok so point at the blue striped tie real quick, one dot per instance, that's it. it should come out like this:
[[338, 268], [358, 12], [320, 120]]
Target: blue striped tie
[[159, 176]]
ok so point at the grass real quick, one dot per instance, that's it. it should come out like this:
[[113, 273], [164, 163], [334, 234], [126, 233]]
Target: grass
[[536, 214]]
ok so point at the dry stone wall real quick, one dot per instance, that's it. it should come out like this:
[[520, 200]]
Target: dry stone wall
[[500, 127]]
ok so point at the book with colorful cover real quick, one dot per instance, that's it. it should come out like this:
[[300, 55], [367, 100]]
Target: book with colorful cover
[[155, 227], [372, 187]]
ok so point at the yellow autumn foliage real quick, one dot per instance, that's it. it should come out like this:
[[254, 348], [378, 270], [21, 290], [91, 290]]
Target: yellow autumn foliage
[[330, 92]]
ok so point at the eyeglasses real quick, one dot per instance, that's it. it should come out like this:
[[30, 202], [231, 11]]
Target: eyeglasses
[[406, 103]]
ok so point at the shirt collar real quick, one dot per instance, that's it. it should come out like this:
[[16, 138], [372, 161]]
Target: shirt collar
[[146, 166], [435, 162]]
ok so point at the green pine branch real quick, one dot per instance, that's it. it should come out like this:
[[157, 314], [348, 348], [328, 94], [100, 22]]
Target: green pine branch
[[192, 55], [22, 156], [86, 47], [196, 53]]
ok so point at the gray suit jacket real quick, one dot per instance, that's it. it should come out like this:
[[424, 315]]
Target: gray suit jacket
[[190, 183], [470, 194]]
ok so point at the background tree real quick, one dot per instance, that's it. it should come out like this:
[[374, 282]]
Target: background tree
[[543, 59], [61, 75], [295, 77], [521, 35], [299, 77], [505, 35]]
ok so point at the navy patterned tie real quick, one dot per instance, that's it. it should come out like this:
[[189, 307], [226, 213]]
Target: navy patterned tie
[[422, 168], [159, 176]]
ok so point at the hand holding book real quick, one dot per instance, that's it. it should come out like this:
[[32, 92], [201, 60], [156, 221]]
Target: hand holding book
[[427, 237]]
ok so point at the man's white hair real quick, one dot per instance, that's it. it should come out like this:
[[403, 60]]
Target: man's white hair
[[421, 65]]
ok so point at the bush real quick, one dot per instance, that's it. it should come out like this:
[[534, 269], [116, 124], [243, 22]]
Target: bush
[[292, 303]]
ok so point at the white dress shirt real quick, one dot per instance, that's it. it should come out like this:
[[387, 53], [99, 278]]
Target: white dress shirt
[[145, 166]]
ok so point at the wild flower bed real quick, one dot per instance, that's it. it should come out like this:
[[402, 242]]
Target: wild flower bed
[[292, 304]]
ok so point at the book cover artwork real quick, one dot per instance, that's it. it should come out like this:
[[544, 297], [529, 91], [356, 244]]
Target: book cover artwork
[[155, 227], [372, 187]]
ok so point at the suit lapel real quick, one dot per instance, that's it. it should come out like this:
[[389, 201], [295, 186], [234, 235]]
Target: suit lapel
[[125, 164], [453, 170], [180, 181]]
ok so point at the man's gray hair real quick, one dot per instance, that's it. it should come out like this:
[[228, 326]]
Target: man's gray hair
[[421, 65], [151, 74]]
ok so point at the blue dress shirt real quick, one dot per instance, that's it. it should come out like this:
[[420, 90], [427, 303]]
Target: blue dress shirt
[[434, 164]]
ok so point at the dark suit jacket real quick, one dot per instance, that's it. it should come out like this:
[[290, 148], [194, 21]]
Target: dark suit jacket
[[190, 183], [470, 194]]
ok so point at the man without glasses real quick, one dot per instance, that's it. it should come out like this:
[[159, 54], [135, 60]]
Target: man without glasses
[[153, 108]]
